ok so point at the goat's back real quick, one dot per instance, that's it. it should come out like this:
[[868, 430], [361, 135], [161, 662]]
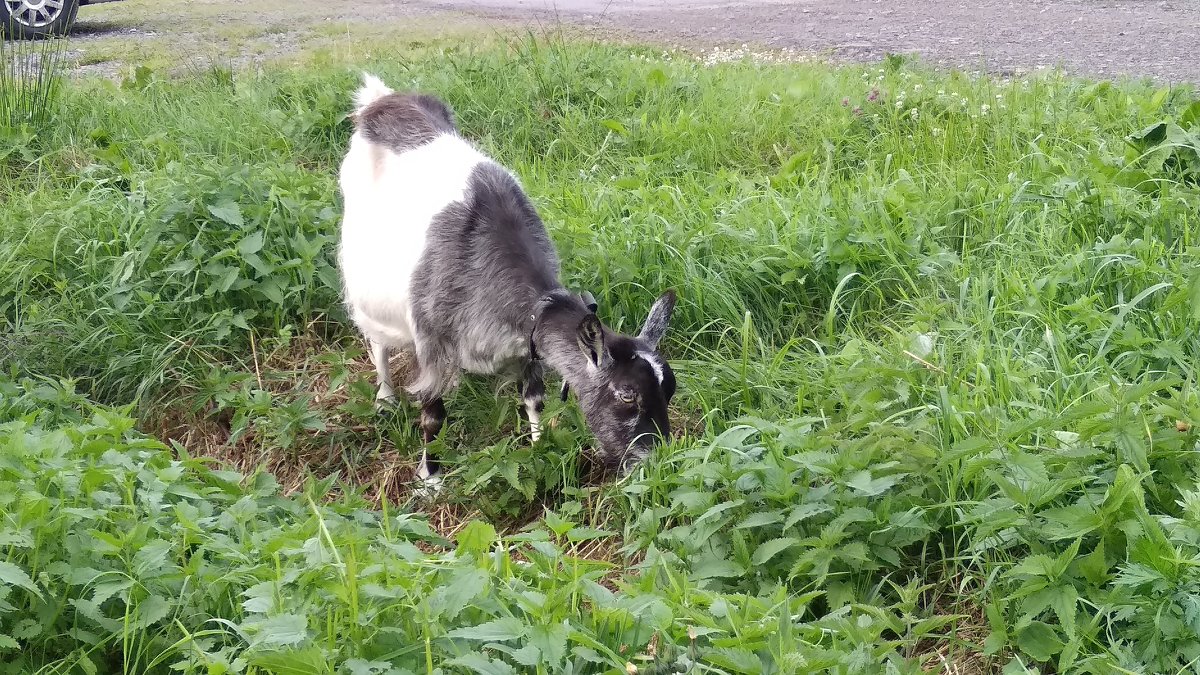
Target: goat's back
[[440, 247]]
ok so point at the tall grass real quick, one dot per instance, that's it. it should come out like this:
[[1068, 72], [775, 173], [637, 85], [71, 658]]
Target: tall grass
[[937, 342], [30, 78]]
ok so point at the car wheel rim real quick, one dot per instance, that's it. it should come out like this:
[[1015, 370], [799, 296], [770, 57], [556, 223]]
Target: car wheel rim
[[34, 13]]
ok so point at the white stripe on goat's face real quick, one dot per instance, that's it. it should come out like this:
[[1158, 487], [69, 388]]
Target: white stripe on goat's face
[[655, 363]]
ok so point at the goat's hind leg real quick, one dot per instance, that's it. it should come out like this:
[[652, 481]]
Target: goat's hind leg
[[429, 470], [533, 395], [435, 374], [386, 396]]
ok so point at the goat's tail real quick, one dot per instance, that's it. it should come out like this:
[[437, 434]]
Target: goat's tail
[[371, 90]]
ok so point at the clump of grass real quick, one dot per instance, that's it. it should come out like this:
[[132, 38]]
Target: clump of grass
[[30, 79]]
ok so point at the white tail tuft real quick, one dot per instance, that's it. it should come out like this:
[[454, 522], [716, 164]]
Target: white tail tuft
[[372, 90]]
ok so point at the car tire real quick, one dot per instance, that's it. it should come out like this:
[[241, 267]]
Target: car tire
[[37, 18]]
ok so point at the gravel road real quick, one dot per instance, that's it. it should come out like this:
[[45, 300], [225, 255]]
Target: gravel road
[[1107, 38]]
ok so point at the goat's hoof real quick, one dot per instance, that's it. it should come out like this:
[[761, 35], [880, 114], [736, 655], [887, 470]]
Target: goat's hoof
[[428, 487], [385, 404]]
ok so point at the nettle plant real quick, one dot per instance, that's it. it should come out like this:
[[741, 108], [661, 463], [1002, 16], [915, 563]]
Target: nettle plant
[[1074, 525], [120, 555], [184, 270], [249, 245]]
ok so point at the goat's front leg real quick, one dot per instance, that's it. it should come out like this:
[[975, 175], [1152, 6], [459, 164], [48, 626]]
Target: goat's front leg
[[429, 471], [383, 374], [533, 395]]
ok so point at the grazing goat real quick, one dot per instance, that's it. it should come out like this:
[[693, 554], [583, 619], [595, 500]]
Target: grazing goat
[[442, 253]]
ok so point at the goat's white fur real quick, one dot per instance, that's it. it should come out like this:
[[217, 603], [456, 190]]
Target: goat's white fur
[[371, 90], [430, 485], [535, 418], [655, 364], [383, 372], [387, 214]]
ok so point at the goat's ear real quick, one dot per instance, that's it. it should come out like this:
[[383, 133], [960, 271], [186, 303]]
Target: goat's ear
[[656, 322], [591, 340]]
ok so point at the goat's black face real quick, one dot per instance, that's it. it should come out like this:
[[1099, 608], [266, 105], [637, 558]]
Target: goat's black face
[[628, 387]]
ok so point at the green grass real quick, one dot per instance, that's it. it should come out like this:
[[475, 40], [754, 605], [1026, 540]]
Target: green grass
[[28, 80], [938, 379]]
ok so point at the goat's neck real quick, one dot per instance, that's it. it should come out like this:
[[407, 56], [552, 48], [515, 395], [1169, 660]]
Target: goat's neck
[[557, 316]]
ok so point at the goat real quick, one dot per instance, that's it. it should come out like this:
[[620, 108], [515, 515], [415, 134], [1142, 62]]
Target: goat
[[442, 252]]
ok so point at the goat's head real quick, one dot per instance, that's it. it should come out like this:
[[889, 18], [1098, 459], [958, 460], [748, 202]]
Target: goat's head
[[622, 382]]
